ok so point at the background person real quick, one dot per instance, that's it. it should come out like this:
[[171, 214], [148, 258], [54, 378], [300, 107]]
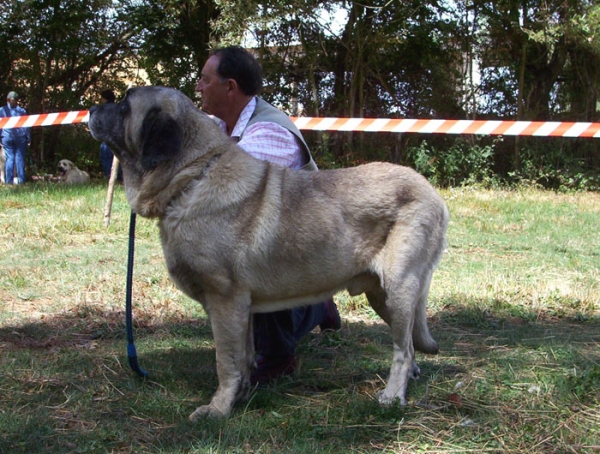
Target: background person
[[14, 141], [229, 84]]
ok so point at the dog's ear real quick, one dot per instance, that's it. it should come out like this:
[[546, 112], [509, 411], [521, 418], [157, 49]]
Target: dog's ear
[[161, 139]]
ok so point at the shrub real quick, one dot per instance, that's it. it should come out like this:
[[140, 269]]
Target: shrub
[[462, 163], [548, 164]]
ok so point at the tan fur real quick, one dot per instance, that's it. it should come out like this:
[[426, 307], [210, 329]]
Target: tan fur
[[71, 174], [241, 235]]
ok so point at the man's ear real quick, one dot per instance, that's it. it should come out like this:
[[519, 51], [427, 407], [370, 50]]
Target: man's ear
[[161, 139], [232, 85]]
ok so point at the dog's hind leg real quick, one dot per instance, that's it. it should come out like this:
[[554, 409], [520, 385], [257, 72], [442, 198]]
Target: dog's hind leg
[[229, 319], [377, 300], [396, 309], [401, 303]]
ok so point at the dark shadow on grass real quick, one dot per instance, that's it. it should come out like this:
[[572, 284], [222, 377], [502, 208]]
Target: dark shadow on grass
[[67, 379], [494, 324]]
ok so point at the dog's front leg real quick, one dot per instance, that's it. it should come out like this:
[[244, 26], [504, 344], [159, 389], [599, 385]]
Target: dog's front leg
[[230, 325]]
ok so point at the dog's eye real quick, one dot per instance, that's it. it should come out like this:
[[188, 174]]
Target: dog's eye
[[123, 108]]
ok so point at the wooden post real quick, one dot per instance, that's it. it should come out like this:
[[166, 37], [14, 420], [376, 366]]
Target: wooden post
[[114, 172]]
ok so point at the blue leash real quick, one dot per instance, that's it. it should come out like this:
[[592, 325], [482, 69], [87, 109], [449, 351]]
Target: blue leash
[[131, 353]]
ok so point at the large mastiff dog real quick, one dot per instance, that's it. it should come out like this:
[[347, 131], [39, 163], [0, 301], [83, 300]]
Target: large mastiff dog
[[241, 235]]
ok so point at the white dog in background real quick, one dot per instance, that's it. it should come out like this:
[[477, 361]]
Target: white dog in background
[[70, 174]]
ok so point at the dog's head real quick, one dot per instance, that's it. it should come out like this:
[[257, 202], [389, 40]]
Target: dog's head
[[64, 165], [143, 127], [154, 132]]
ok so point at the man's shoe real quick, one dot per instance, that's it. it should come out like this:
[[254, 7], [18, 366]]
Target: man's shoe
[[333, 321], [269, 369]]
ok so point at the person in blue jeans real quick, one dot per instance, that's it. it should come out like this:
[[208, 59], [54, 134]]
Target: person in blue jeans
[[14, 141], [229, 84]]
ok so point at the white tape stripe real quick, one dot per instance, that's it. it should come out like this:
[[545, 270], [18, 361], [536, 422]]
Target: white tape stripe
[[12, 121], [324, 124], [547, 128], [70, 118], [576, 130], [488, 127], [404, 125], [301, 122], [50, 119], [517, 128], [432, 126], [460, 126], [30, 121], [351, 124], [377, 125]]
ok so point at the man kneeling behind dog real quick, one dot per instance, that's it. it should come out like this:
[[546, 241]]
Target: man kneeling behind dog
[[268, 134]]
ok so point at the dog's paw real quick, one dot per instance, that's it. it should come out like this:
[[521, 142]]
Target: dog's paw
[[386, 401], [206, 411], [415, 372]]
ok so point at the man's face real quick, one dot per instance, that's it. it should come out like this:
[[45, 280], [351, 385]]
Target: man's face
[[212, 88], [12, 102]]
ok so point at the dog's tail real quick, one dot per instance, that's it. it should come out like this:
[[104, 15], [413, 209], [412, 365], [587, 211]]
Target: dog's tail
[[423, 341]]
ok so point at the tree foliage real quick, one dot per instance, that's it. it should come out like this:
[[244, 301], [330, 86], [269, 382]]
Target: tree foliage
[[507, 59], [174, 38], [58, 54]]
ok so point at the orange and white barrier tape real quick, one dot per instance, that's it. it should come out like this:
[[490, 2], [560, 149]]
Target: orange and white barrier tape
[[483, 127], [479, 127], [60, 118]]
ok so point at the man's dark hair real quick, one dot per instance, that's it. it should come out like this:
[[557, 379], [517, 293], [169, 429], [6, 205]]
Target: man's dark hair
[[240, 65], [108, 95]]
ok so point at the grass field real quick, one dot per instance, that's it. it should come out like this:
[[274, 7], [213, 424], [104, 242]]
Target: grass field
[[515, 307]]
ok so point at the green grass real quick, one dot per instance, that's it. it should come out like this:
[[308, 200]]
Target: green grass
[[515, 307]]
